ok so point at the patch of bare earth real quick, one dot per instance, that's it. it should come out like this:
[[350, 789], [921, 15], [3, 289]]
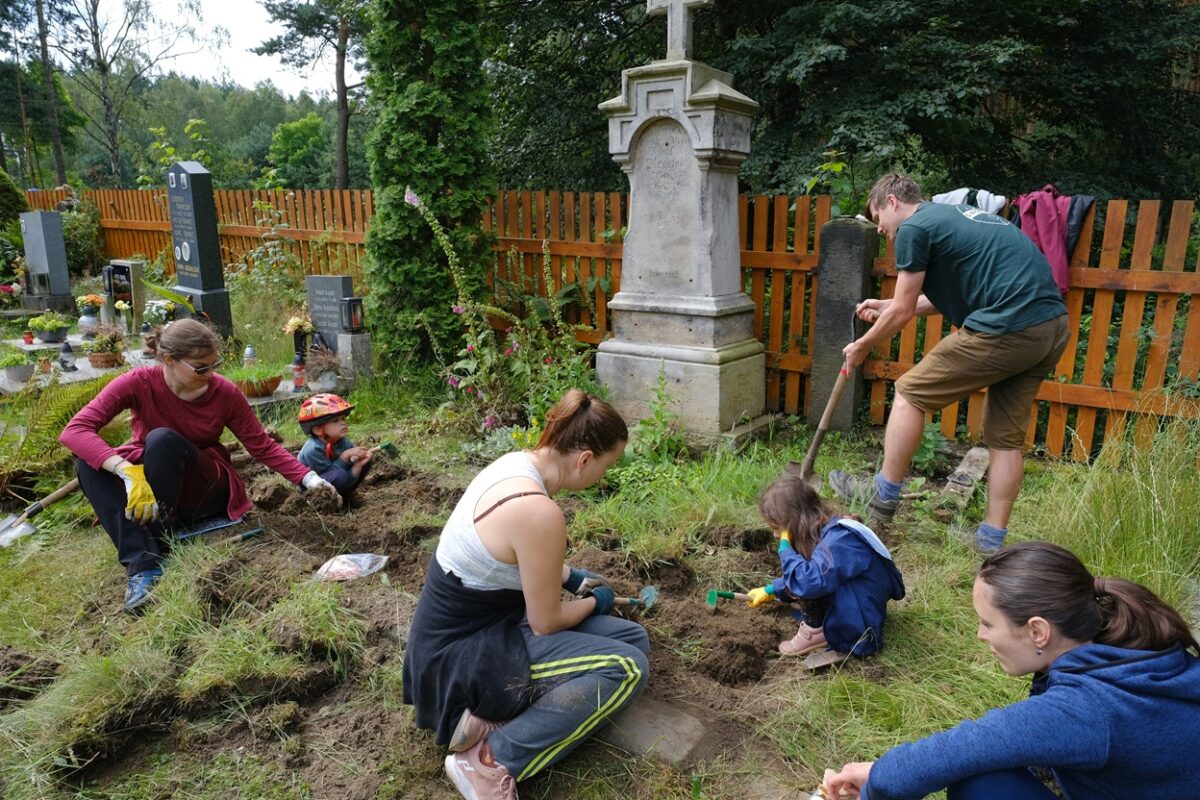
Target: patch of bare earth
[[338, 733]]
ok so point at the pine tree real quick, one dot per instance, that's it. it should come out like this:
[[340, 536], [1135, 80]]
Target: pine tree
[[433, 121]]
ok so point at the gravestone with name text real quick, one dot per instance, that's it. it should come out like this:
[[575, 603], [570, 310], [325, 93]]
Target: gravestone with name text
[[680, 132], [325, 293], [47, 277], [195, 245]]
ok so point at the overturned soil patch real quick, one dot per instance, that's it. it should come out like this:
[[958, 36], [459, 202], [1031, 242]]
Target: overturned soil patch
[[332, 728]]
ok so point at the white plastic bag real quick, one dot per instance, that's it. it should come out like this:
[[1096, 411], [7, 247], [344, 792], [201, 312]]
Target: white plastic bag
[[349, 567]]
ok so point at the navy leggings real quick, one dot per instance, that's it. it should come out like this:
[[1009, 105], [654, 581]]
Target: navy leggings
[[188, 485], [1009, 784]]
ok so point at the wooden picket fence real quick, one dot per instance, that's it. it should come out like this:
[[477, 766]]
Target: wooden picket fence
[[324, 229], [1132, 360]]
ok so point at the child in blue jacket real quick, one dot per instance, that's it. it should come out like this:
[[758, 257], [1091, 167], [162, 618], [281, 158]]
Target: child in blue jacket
[[838, 570]]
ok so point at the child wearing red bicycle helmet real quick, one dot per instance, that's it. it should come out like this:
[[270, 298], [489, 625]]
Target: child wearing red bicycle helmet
[[328, 452]]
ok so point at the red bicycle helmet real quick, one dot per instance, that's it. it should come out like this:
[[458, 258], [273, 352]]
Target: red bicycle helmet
[[321, 408]]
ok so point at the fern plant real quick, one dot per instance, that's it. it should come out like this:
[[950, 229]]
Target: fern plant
[[42, 415]]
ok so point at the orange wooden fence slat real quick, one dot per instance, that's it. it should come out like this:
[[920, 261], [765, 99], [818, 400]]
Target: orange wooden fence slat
[[1145, 232], [1102, 305], [1056, 424]]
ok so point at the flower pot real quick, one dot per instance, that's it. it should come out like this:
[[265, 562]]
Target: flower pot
[[324, 382], [105, 360], [44, 365], [19, 373], [263, 388], [27, 337], [53, 337], [88, 321]]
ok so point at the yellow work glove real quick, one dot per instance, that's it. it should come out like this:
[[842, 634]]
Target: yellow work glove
[[140, 505], [761, 596]]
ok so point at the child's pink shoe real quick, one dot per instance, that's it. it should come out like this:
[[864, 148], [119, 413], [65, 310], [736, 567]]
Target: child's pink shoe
[[806, 640]]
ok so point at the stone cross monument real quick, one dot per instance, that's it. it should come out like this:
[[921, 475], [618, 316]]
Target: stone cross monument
[[680, 132]]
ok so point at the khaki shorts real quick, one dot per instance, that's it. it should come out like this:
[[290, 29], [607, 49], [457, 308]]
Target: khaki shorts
[[1010, 365]]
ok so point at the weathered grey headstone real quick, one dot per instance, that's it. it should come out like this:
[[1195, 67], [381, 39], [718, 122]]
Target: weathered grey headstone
[[325, 293], [195, 244], [648, 727], [354, 355], [848, 249], [49, 280], [680, 132]]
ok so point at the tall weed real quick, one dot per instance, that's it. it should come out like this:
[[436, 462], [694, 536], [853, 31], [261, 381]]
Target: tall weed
[[1131, 514]]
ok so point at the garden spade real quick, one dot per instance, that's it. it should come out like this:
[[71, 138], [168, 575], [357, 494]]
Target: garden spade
[[714, 595], [806, 467], [387, 448], [13, 528], [645, 600]]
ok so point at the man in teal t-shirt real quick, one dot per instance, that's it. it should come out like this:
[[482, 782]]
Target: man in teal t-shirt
[[995, 286]]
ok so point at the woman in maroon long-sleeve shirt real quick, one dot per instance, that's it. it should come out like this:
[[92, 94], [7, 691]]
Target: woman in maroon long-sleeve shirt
[[174, 466]]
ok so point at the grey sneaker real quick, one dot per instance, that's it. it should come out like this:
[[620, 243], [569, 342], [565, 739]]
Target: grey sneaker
[[861, 489]]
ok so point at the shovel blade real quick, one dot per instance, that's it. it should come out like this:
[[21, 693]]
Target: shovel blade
[[10, 533], [648, 597]]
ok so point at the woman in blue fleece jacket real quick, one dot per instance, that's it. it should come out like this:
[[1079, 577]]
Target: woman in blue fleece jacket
[[835, 568], [1113, 712]]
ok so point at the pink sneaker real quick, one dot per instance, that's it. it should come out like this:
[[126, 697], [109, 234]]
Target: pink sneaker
[[806, 640], [476, 780], [469, 731]]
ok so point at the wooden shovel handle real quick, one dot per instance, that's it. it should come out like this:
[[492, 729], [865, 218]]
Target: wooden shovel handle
[[52, 498], [806, 468]]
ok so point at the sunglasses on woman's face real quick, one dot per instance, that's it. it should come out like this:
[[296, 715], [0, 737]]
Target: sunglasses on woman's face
[[203, 368]]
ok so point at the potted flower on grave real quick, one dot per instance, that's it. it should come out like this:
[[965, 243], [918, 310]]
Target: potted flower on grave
[[18, 365], [158, 312], [299, 326], [89, 307], [10, 293], [256, 380], [122, 308], [50, 326], [322, 369], [106, 349]]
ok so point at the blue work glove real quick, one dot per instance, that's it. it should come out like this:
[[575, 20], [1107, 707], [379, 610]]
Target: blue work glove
[[605, 598], [582, 582]]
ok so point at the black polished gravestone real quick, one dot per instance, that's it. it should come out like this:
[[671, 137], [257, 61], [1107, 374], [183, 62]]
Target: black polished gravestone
[[325, 293], [197, 249]]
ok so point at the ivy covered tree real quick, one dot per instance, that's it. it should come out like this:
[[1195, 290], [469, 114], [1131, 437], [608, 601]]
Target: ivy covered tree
[[433, 120]]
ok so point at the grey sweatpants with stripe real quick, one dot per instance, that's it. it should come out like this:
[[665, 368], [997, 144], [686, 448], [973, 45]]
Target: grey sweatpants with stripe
[[581, 677]]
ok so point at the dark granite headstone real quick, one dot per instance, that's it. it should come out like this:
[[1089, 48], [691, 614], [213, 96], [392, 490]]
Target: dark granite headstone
[[196, 248], [49, 281], [325, 293]]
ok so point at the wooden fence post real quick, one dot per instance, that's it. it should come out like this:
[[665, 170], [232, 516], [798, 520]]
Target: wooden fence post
[[848, 248]]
